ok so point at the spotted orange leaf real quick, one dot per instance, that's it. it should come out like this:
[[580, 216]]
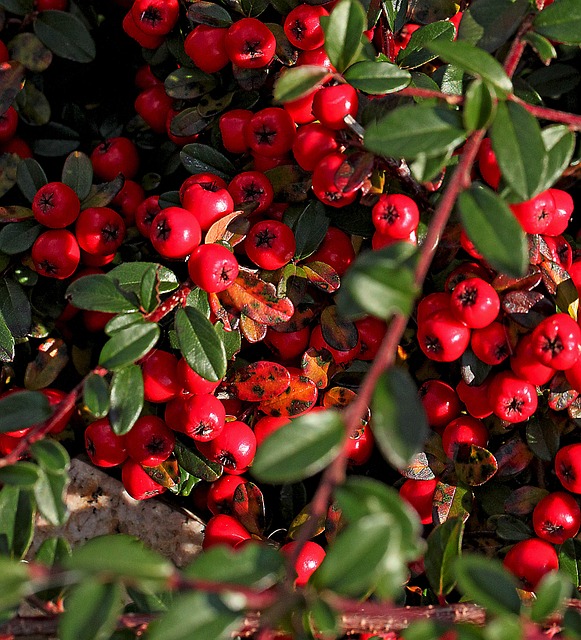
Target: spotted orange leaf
[[299, 397], [260, 381]]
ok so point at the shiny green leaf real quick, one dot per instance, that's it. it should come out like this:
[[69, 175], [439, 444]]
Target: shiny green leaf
[[126, 398], [559, 144], [78, 173], [17, 515], [96, 395], [17, 237], [297, 82], [479, 106], [129, 276], [560, 21], [444, 546], [377, 78], [417, 51], [128, 345], [23, 409], [99, 293], [30, 176], [488, 24], [197, 158], [343, 30], [49, 492], [15, 308], [51, 455]]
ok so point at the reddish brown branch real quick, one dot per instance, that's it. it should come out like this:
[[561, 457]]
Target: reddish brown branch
[[177, 299], [518, 46], [572, 120], [419, 92]]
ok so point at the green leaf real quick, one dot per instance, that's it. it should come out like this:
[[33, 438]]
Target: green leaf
[[559, 144], [570, 560], [99, 293], [518, 145], [49, 492], [254, 565], [30, 177], [380, 283], [19, 7], [195, 615], [284, 457], [148, 295], [100, 195], [14, 582], [129, 276], [297, 82], [364, 553], [128, 345], [488, 583], [200, 344], [17, 511], [197, 158], [78, 173], [343, 30], [17, 237], [543, 47], [494, 230], [33, 106], [417, 51], [560, 21], [377, 78], [444, 546], [53, 551], [232, 340], [7, 342], [55, 139], [194, 463], [551, 593], [411, 130], [475, 61], [23, 409], [15, 308], [488, 24], [91, 611], [126, 398], [310, 229], [188, 83], [96, 395], [29, 50], [209, 13], [479, 106], [12, 79], [51, 455], [65, 35], [399, 423]]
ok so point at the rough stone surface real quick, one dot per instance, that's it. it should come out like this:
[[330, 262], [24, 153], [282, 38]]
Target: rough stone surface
[[99, 505]]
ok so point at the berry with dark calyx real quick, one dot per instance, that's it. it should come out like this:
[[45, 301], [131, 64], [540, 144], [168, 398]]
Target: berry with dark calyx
[[325, 181], [312, 143], [420, 495], [270, 132], [302, 26], [440, 402], [556, 341], [535, 215], [206, 46], [395, 215], [442, 337], [332, 104], [155, 17], [208, 201], [491, 344], [475, 303], [114, 156], [568, 467], [511, 398], [530, 560], [56, 205], [564, 206], [371, 333], [201, 417], [208, 181], [175, 233], [145, 40], [270, 244], [145, 214], [138, 484], [464, 430], [310, 557], [223, 529], [234, 448], [232, 124], [99, 230], [160, 379], [221, 493], [252, 188], [557, 517], [527, 366], [150, 441], [212, 267], [250, 44], [104, 447], [56, 254]]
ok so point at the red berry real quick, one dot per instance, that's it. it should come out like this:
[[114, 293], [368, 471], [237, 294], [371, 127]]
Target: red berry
[[192, 382], [206, 46], [56, 205], [145, 40], [114, 156], [371, 333], [488, 165], [511, 398], [287, 346], [302, 26], [267, 425], [568, 467], [527, 366], [556, 341], [332, 104], [442, 337], [475, 398], [432, 303], [104, 447], [535, 215], [250, 44], [128, 200], [336, 250], [150, 441], [250, 187], [175, 233], [270, 132], [310, 557], [145, 214], [212, 267], [440, 402], [100, 230], [201, 417], [464, 430], [491, 344], [312, 143], [564, 206], [232, 124], [155, 17], [138, 484], [270, 244], [325, 181], [475, 303], [153, 105], [395, 215], [420, 495], [301, 109], [561, 251], [359, 446], [557, 517], [221, 493], [234, 448], [223, 529], [55, 397], [207, 200], [530, 560], [56, 254], [318, 342], [160, 379]]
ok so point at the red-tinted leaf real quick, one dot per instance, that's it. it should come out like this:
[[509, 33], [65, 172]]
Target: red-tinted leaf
[[167, 474], [260, 381], [301, 519], [257, 299], [513, 457], [231, 228], [475, 465], [315, 365], [527, 308], [302, 317], [51, 358], [339, 333], [418, 468], [553, 275], [290, 183], [523, 500], [322, 276], [220, 311], [354, 171], [450, 501], [334, 523], [15, 213], [504, 283], [561, 395], [574, 409], [253, 331], [298, 398], [11, 80], [248, 507]]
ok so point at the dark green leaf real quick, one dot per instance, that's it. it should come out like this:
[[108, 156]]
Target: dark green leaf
[[50, 455], [100, 195], [253, 8], [543, 437], [310, 229], [232, 340], [129, 276], [14, 582], [30, 177], [488, 24], [200, 344], [297, 82], [399, 423], [126, 398], [33, 106], [559, 144], [543, 47], [209, 13], [78, 173], [510, 528], [128, 345], [96, 395], [91, 611], [198, 158], [23, 409], [195, 615], [518, 145], [194, 463], [444, 546], [417, 51], [380, 283], [560, 21], [475, 61], [17, 512], [323, 620], [17, 237], [411, 130], [570, 560], [284, 457], [148, 294], [343, 31], [49, 492], [553, 81], [551, 593], [123, 321], [99, 293], [488, 583], [377, 78], [254, 565], [65, 35], [55, 139], [186, 123], [53, 551], [19, 7], [479, 106], [188, 83], [7, 342], [494, 230], [15, 308]]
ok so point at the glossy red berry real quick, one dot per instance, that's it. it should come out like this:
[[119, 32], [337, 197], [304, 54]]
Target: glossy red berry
[[192, 382], [104, 447], [160, 379], [302, 26], [153, 105], [155, 17], [395, 215], [336, 250], [250, 44], [234, 448], [128, 200], [430, 304], [371, 333], [491, 344], [556, 341], [326, 179], [232, 124], [55, 397], [442, 337], [535, 215], [114, 156], [150, 441], [138, 484], [511, 398], [463, 430], [287, 346], [201, 417], [206, 46], [359, 446], [212, 267], [318, 342], [420, 495], [56, 205], [440, 402], [530, 560], [270, 244], [332, 104], [475, 303], [301, 109], [145, 214], [557, 517], [310, 557], [270, 132], [312, 143], [100, 230], [175, 233], [146, 40], [527, 366], [221, 493], [56, 254], [267, 425], [208, 200], [487, 164], [560, 250], [252, 188], [564, 206], [475, 398], [568, 467], [223, 529]]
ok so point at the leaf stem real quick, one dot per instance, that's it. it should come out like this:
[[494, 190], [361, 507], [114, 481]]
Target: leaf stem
[[572, 120]]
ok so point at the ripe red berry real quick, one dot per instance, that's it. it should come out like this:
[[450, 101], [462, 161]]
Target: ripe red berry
[[160, 380], [138, 484], [491, 344], [104, 447], [442, 337], [287, 346], [359, 446], [114, 156], [201, 417], [395, 215], [561, 251], [212, 267], [312, 143], [270, 244], [145, 40], [234, 448], [440, 402], [530, 560], [310, 557], [475, 398], [221, 493], [56, 205], [371, 333], [557, 517], [128, 200], [511, 398], [206, 46], [56, 254], [564, 206], [332, 104], [192, 382], [527, 366], [267, 425], [207, 199], [301, 109], [250, 187], [336, 250], [155, 17], [150, 441], [223, 529], [535, 215], [153, 105], [232, 124], [463, 430], [475, 303], [175, 233], [55, 397], [325, 181], [568, 467], [302, 26], [99, 230], [270, 132], [317, 341], [432, 303], [145, 214], [250, 44], [556, 341], [420, 495], [487, 164]]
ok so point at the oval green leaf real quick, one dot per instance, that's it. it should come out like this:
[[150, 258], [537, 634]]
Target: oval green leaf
[[377, 77], [99, 293], [126, 398], [65, 35], [96, 395], [128, 345], [444, 546], [560, 21], [343, 30], [297, 82], [78, 173], [23, 409]]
